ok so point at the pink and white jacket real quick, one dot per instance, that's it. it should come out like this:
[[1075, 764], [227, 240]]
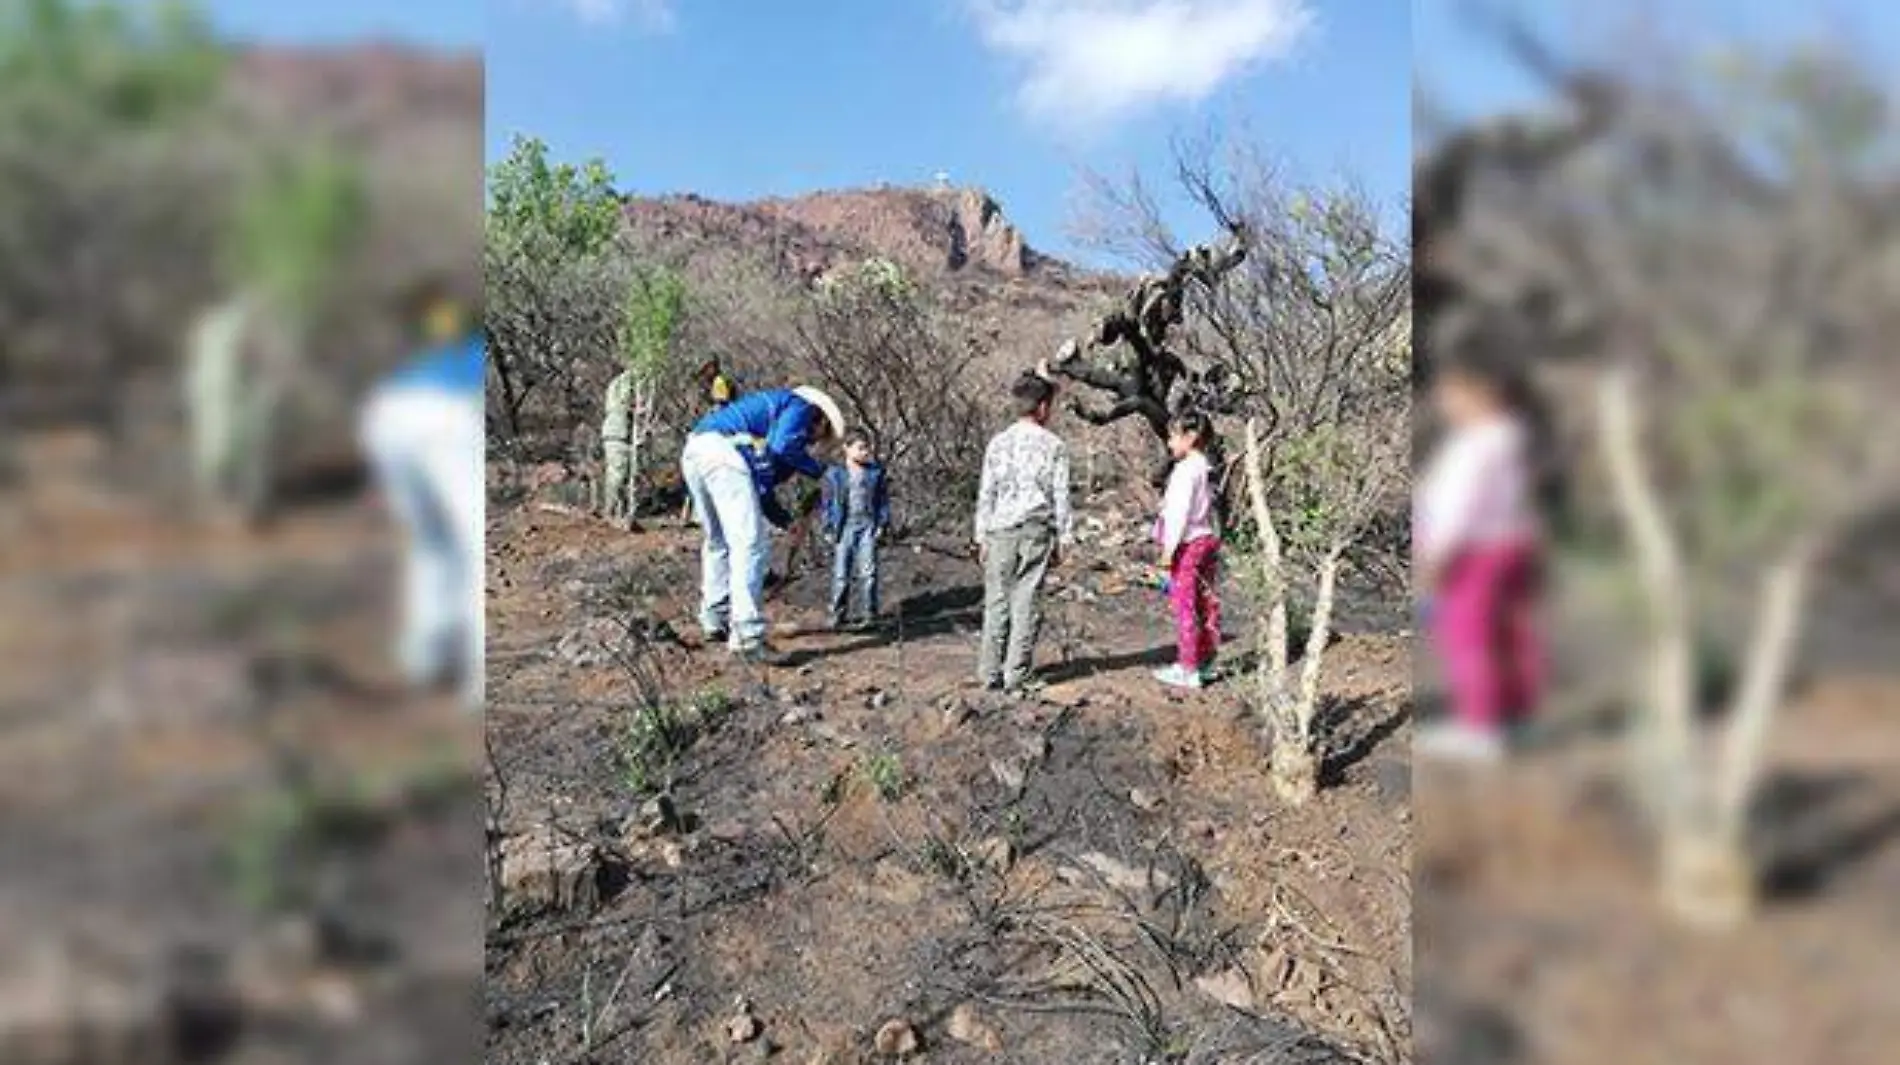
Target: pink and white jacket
[[1187, 510], [1475, 492]]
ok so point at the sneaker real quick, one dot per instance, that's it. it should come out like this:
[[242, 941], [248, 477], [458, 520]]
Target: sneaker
[[1178, 676], [1209, 674], [991, 684], [1455, 742], [758, 654]]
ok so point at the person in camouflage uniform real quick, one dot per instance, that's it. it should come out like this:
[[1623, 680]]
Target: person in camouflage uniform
[[616, 441], [230, 403]]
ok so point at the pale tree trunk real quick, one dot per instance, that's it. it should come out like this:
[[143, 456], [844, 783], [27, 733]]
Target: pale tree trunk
[[1295, 762], [1662, 734], [1289, 713], [1273, 664], [1710, 877], [1700, 812], [1764, 680], [640, 428]]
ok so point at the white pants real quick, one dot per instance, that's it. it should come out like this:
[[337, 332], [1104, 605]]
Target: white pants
[[426, 448], [737, 549]]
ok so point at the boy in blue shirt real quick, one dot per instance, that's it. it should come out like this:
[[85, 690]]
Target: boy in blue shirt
[[857, 511]]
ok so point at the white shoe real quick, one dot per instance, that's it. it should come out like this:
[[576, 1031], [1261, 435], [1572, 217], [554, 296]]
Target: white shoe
[[1176, 677], [1459, 743]]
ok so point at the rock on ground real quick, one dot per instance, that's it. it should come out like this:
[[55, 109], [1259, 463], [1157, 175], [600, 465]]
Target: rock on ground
[[968, 1026], [896, 1039], [540, 867]]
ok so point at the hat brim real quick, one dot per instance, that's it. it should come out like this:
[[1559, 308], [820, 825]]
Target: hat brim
[[834, 415]]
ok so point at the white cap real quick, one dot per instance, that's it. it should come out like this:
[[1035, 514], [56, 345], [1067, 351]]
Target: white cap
[[833, 413]]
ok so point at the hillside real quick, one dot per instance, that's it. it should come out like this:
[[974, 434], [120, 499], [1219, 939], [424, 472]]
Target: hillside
[[378, 94], [958, 244]]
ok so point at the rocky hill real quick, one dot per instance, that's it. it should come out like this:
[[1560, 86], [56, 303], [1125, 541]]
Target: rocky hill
[[375, 94], [956, 243]]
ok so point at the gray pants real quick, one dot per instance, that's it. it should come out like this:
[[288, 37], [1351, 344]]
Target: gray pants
[[1013, 572]]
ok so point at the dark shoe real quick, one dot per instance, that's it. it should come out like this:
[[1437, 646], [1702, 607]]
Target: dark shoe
[[991, 684], [1024, 687], [716, 637]]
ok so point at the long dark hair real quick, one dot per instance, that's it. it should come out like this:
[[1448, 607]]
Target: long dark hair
[[1504, 369], [1193, 421], [1208, 438]]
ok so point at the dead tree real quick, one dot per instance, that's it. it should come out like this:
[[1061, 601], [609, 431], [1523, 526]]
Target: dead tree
[[1150, 381], [1307, 340]]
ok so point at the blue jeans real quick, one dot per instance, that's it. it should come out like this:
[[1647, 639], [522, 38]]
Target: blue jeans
[[855, 560], [738, 544]]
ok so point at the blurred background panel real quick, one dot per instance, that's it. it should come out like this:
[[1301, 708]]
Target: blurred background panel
[[1680, 223], [230, 832]]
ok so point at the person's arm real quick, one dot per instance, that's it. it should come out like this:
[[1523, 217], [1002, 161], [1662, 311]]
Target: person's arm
[[883, 501], [1065, 517], [789, 440], [1446, 506], [774, 511], [986, 494], [1176, 505]]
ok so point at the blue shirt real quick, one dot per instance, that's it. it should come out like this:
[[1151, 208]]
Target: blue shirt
[[775, 427], [458, 367]]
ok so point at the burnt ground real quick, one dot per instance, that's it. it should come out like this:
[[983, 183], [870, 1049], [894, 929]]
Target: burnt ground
[[227, 837], [1101, 875], [1541, 937]]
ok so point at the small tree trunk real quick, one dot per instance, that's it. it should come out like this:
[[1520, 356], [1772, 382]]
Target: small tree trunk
[[1316, 639], [1707, 878], [280, 357], [1273, 664], [1295, 760], [1710, 878], [1708, 881], [1662, 734], [638, 430], [510, 402], [1765, 677]]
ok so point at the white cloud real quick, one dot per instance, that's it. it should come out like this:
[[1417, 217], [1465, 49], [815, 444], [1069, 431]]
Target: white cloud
[[657, 16], [1090, 63]]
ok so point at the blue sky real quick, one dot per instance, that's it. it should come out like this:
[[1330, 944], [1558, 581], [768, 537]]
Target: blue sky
[[1464, 72], [457, 24], [738, 99]]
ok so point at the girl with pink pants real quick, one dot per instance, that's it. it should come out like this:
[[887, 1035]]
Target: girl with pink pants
[[1477, 543]]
